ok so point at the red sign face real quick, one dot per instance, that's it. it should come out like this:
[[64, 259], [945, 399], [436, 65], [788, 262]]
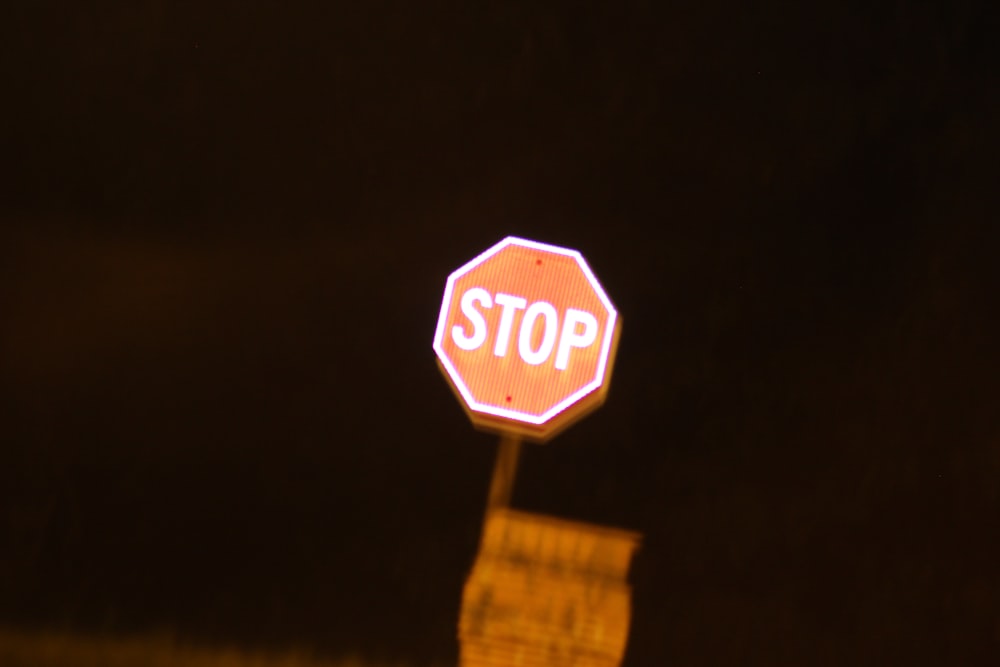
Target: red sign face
[[526, 336]]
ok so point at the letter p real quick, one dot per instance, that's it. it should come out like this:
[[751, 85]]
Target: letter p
[[570, 338]]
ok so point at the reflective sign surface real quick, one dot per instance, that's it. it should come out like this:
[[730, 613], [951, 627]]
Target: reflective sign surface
[[547, 592], [525, 332]]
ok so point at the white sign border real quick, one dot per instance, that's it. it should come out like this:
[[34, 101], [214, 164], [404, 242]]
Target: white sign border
[[566, 403]]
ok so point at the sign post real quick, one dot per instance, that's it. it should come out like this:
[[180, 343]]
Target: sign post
[[504, 472], [526, 337]]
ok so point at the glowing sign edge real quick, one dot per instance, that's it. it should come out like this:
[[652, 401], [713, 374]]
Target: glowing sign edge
[[563, 405]]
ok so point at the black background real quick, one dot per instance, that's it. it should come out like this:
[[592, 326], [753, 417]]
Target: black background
[[227, 227]]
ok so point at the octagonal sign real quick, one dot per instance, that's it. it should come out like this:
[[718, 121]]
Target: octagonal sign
[[526, 337]]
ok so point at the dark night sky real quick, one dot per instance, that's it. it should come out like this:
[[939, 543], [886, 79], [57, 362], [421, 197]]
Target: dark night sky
[[227, 227]]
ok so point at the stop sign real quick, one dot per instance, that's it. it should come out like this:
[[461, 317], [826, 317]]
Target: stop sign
[[526, 337]]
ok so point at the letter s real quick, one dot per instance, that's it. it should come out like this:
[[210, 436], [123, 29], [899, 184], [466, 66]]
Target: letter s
[[478, 336]]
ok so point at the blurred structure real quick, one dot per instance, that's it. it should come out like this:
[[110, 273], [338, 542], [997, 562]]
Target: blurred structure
[[545, 592]]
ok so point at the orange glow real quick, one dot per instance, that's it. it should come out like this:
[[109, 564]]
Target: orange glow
[[547, 592], [525, 334], [60, 649]]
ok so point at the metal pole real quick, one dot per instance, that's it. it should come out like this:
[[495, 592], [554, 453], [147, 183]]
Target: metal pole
[[504, 471]]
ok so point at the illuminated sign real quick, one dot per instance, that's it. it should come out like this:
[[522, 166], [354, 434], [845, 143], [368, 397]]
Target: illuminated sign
[[545, 592], [526, 337]]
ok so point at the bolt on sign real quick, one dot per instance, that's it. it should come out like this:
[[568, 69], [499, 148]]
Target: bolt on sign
[[545, 592], [526, 337]]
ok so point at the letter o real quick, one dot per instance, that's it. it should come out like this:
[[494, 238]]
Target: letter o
[[548, 311]]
